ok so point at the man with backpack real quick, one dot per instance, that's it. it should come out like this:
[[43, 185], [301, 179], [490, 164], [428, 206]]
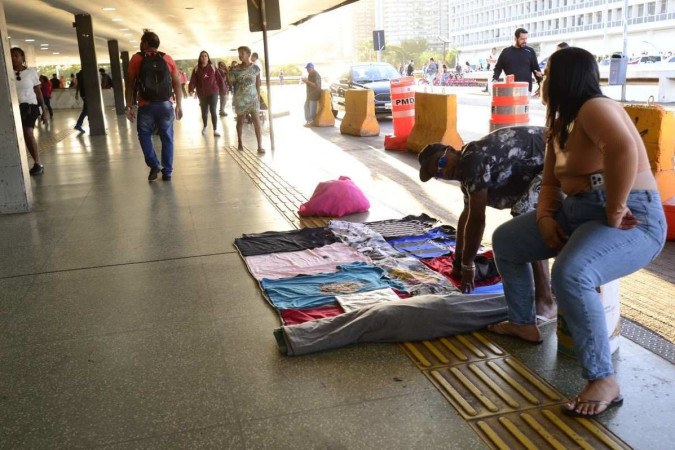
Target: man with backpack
[[155, 79]]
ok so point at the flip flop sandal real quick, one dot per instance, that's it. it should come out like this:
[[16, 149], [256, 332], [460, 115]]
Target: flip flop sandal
[[618, 401], [543, 320]]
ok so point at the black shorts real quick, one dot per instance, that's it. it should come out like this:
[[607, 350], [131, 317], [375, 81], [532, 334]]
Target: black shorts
[[29, 114]]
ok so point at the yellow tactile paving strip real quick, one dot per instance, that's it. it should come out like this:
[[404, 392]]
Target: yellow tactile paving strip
[[507, 404], [47, 141], [544, 428], [282, 195]]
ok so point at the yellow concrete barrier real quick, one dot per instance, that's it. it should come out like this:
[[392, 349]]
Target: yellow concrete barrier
[[324, 115], [359, 117], [435, 121], [657, 128], [665, 181]]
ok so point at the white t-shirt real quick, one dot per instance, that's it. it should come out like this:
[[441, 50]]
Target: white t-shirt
[[24, 86]]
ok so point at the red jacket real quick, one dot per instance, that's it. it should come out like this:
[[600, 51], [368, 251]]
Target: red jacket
[[46, 88], [206, 81]]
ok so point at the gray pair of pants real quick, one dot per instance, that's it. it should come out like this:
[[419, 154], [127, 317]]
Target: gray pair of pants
[[223, 102], [413, 319]]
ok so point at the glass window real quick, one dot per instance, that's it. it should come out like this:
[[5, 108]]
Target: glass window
[[651, 8]]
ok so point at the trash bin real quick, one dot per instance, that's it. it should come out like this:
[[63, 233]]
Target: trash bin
[[617, 69], [610, 298]]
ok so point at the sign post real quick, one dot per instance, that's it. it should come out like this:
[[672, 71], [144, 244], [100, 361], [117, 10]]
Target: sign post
[[263, 15]]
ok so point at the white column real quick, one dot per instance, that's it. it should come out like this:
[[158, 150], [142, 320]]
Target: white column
[[15, 193]]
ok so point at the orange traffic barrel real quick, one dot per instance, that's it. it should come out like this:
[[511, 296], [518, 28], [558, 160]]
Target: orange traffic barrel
[[402, 112], [510, 104]]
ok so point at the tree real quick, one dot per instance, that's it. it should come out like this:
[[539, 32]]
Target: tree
[[365, 51], [415, 49]]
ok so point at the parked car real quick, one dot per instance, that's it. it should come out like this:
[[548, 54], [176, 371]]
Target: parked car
[[368, 75], [671, 60], [646, 59]]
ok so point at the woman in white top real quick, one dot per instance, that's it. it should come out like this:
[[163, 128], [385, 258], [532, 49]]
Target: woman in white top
[[30, 99]]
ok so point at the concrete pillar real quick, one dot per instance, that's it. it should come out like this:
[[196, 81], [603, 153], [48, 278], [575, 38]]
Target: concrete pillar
[[116, 74], [90, 75], [125, 72], [125, 66], [15, 193]]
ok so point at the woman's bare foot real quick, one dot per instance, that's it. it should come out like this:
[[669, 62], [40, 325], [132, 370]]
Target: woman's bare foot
[[546, 307], [529, 333], [595, 398], [240, 147]]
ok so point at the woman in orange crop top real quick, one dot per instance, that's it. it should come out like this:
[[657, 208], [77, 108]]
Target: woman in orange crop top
[[599, 215]]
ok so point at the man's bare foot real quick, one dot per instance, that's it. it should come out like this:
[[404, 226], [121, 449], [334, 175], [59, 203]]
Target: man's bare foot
[[529, 333], [240, 147], [595, 398]]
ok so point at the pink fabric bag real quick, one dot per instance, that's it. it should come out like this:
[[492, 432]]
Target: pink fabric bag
[[335, 198]]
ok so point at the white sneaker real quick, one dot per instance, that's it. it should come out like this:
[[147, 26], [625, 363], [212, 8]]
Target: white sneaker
[[216, 134], [204, 130]]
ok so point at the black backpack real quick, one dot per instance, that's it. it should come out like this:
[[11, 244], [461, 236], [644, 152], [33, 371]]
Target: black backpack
[[154, 80]]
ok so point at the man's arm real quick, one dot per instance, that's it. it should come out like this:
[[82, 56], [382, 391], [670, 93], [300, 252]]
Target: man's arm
[[459, 245], [132, 75], [498, 67], [473, 234], [534, 66], [178, 92]]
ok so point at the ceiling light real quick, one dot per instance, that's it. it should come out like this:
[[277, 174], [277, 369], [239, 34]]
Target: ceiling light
[[108, 8], [124, 29], [56, 53], [117, 20], [30, 40], [44, 45], [44, 48]]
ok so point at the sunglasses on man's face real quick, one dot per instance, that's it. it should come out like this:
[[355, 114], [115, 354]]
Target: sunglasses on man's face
[[18, 76], [442, 162]]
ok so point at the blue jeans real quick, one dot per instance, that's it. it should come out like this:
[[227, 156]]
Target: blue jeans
[[156, 116], [83, 114], [594, 255], [310, 109]]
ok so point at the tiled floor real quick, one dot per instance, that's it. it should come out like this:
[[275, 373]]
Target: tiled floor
[[128, 320]]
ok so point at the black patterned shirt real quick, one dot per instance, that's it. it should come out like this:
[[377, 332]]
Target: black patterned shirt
[[505, 162]]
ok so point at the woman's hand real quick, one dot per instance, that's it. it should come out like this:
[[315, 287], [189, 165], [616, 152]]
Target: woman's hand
[[552, 233], [628, 221]]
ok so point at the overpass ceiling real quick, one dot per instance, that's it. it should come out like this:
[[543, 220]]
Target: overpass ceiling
[[184, 26]]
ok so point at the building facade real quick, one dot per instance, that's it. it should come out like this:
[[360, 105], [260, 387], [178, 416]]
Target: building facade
[[597, 25], [404, 19]]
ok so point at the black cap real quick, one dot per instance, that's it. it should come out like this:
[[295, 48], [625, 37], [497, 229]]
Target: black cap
[[426, 156]]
